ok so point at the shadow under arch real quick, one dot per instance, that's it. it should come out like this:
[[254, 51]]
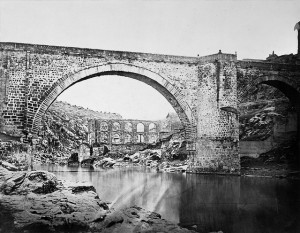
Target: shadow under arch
[[286, 85], [163, 86]]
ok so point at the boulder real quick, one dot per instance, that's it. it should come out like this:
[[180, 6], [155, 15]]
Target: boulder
[[40, 182], [88, 162], [78, 188], [107, 162]]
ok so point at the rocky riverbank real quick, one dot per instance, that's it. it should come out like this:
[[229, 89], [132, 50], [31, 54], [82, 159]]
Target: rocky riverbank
[[37, 201], [280, 162]]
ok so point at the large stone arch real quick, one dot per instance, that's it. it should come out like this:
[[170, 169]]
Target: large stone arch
[[163, 86]]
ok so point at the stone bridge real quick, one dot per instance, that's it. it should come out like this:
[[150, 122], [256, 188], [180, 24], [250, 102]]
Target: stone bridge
[[202, 90], [121, 131]]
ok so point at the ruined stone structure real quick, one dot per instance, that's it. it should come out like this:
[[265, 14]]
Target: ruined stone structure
[[202, 90], [120, 131]]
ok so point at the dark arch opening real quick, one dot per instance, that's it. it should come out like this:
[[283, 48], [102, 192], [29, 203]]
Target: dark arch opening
[[290, 92]]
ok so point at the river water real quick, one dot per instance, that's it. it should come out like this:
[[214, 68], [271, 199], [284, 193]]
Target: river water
[[232, 204]]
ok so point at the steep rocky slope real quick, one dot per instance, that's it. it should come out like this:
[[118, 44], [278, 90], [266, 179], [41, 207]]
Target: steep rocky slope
[[65, 127]]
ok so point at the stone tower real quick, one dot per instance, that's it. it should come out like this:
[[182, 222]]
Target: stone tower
[[217, 126]]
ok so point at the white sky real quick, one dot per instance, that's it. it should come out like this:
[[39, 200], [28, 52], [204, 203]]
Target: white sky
[[251, 28]]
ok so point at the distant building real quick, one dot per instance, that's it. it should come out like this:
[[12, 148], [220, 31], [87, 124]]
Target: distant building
[[271, 57]]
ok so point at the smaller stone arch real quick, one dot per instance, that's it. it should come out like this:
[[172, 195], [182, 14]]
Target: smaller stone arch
[[128, 127], [140, 127], [152, 128]]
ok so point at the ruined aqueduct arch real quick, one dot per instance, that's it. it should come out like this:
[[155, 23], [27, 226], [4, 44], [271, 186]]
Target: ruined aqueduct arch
[[163, 86]]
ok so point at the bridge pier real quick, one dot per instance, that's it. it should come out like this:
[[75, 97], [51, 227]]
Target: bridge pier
[[217, 127]]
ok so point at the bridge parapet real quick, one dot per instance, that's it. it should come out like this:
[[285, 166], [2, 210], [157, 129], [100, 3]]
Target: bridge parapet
[[95, 53], [268, 66]]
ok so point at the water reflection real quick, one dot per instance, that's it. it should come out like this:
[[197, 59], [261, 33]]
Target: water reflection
[[230, 204]]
